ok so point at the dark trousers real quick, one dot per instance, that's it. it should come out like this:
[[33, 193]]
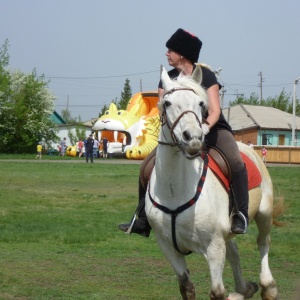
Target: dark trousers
[[89, 153]]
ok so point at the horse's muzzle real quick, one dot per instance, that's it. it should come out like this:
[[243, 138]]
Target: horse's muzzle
[[192, 148]]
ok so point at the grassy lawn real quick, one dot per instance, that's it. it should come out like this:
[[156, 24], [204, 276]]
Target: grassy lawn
[[59, 236]]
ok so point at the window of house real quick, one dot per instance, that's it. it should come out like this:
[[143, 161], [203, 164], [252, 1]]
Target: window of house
[[267, 139]]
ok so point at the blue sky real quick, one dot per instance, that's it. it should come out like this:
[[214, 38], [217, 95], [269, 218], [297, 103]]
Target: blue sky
[[87, 48]]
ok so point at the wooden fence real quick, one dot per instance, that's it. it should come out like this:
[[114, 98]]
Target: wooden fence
[[280, 154]]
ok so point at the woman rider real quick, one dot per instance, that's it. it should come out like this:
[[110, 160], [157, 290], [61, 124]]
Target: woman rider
[[182, 54]]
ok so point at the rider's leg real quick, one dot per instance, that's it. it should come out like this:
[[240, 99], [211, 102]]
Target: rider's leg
[[224, 140], [239, 185], [139, 223]]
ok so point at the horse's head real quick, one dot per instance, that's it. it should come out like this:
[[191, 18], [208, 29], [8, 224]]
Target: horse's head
[[181, 108]]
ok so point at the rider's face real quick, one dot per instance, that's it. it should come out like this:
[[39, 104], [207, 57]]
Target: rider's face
[[173, 58]]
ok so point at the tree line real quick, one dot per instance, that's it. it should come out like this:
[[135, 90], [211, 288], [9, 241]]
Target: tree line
[[282, 102]]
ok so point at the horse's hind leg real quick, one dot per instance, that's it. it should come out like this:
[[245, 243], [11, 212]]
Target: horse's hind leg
[[247, 289], [268, 285]]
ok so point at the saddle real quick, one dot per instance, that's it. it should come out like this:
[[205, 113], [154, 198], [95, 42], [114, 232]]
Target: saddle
[[220, 167]]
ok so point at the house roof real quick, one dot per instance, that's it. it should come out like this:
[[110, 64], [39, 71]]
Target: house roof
[[248, 116], [91, 122], [56, 118]]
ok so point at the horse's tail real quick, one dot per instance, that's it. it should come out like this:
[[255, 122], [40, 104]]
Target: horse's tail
[[279, 208]]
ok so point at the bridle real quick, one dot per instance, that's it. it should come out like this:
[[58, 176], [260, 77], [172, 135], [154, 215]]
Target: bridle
[[165, 120]]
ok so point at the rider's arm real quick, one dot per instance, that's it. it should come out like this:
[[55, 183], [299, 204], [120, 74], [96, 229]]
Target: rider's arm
[[214, 109]]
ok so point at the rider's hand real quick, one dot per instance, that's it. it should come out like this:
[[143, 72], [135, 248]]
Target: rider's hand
[[205, 129]]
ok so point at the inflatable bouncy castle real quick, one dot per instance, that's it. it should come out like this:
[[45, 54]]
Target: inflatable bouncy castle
[[133, 132]]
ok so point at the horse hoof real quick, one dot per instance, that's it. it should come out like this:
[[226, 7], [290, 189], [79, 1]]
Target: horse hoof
[[255, 286], [252, 288]]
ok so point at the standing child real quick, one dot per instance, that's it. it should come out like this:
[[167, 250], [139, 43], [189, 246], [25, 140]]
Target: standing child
[[264, 155], [39, 149], [80, 148]]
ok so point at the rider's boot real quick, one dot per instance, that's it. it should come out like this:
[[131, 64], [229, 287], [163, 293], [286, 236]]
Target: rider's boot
[[239, 184], [139, 223]]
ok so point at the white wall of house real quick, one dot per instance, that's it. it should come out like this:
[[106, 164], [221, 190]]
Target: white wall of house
[[63, 131]]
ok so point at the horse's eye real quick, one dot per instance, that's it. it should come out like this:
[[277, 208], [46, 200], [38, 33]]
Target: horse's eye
[[167, 103], [201, 103]]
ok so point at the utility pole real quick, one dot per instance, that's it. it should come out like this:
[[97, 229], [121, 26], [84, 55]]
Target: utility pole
[[223, 91], [141, 86], [294, 113], [260, 85]]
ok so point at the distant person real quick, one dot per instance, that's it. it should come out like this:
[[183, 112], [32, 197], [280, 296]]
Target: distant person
[[80, 148], [63, 146], [39, 149], [105, 144], [89, 145], [264, 155], [250, 145], [96, 147]]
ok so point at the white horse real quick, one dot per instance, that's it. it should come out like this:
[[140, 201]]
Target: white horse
[[201, 225]]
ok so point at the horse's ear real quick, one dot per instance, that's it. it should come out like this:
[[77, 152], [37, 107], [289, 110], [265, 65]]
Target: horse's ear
[[197, 74], [165, 78]]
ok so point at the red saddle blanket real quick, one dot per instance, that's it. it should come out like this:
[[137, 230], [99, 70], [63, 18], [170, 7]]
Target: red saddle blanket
[[254, 177]]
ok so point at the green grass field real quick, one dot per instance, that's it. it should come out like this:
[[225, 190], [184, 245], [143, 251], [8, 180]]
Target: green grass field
[[59, 236]]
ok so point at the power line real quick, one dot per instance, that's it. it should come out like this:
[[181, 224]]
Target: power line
[[100, 77]]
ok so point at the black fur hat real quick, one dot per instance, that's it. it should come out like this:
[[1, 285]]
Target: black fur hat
[[185, 44]]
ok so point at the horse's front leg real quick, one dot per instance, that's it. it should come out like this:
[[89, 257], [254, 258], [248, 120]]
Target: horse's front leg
[[177, 261], [187, 288], [216, 258]]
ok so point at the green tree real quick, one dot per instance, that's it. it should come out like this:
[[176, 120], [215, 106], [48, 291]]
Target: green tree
[[25, 106], [105, 107], [126, 95], [4, 75], [24, 115], [252, 100], [283, 102], [79, 134], [103, 110], [67, 116]]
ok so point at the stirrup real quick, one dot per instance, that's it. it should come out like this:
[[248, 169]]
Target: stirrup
[[131, 224], [240, 218]]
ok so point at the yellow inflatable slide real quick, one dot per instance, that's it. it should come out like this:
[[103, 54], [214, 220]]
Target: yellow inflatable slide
[[134, 131]]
